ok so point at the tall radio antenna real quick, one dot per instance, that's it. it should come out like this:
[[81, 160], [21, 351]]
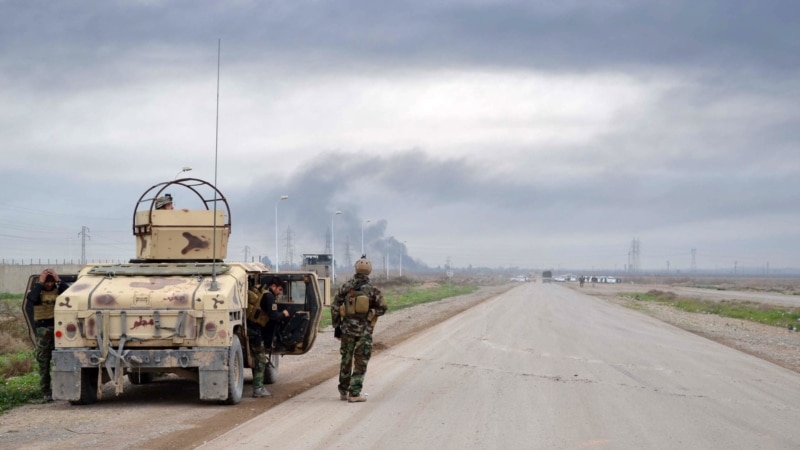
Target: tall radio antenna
[[214, 286]]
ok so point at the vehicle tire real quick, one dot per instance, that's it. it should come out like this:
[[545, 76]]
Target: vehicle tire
[[272, 369], [235, 372], [137, 377], [88, 387]]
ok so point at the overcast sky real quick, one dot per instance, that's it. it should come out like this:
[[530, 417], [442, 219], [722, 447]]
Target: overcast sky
[[531, 134]]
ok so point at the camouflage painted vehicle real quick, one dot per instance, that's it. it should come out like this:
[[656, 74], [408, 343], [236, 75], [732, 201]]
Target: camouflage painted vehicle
[[175, 308]]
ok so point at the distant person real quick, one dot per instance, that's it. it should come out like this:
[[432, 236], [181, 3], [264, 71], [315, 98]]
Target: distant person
[[354, 312], [43, 298], [581, 280], [164, 202]]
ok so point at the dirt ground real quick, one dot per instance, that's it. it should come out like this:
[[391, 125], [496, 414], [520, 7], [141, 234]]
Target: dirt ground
[[167, 413]]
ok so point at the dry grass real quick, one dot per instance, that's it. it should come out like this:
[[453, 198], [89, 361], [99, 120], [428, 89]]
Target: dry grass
[[20, 364], [16, 356], [781, 285]]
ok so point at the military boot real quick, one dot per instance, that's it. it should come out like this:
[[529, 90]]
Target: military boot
[[357, 398], [261, 392]]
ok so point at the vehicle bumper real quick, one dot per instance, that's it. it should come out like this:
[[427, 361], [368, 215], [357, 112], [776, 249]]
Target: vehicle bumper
[[211, 365]]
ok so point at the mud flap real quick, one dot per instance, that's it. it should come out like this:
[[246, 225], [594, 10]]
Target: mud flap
[[213, 375], [213, 384], [66, 377]]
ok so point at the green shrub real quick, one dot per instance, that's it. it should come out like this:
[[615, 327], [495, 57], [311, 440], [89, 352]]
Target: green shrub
[[18, 391]]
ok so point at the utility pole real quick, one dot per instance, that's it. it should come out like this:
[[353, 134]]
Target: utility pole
[[633, 256], [289, 247], [328, 236], [84, 234], [348, 256], [694, 261]]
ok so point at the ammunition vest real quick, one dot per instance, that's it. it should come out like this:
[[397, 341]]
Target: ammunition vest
[[356, 304], [46, 309], [254, 312]]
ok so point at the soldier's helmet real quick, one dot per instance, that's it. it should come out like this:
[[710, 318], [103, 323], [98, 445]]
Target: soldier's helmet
[[363, 266], [162, 202]]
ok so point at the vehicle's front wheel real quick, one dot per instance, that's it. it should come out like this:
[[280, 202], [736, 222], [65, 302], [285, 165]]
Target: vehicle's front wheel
[[235, 372]]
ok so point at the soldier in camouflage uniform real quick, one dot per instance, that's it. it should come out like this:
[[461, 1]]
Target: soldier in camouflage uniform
[[256, 320], [262, 318], [354, 312], [43, 298]]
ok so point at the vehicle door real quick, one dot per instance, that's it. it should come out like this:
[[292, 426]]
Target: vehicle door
[[303, 300], [27, 306]]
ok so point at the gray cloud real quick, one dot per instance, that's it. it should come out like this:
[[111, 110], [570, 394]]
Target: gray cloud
[[104, 96]]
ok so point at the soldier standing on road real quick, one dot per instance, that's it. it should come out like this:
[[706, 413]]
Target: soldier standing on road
[[354, 312], [43, 298]]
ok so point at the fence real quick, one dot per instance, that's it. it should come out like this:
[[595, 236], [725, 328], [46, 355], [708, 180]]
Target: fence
[[14, 277]]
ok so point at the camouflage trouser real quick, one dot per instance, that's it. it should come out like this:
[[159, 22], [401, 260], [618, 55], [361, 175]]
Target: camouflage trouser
[[44, 355], [259, 356], [355, 351]]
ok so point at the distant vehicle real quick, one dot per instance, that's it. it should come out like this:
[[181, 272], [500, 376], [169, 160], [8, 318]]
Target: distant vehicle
[[519, 278], [547, 276]]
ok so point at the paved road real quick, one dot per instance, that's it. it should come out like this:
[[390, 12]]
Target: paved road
[[544, 366]]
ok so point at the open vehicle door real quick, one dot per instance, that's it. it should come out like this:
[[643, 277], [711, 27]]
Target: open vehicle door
[[27, 307], [304, 302]]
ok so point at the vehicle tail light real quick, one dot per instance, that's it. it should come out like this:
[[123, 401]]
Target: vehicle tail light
[[72, 330], [210, 329]]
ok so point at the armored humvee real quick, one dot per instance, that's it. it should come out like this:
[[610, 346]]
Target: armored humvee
[[177, 307]]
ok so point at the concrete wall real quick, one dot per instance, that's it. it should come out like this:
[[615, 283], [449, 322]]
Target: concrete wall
[[13, 277]]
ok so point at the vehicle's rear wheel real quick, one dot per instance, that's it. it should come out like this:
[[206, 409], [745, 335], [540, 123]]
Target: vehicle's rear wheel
[[272, 369], [235, 372], [88, 387]]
